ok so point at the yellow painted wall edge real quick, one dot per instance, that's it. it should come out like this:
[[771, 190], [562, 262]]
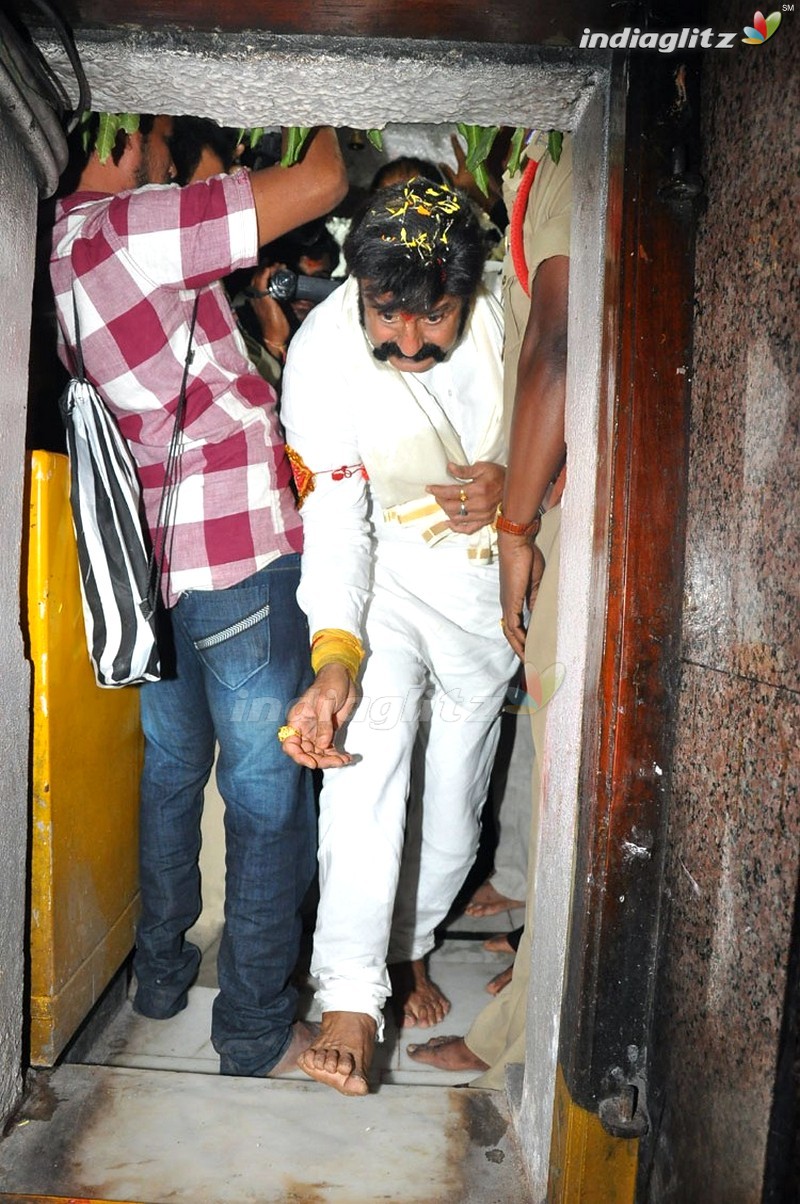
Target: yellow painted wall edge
[[87, 752], [587, 1165]]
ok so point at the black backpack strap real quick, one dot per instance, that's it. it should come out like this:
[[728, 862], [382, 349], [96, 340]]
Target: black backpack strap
[[78, 353], [166, 505]]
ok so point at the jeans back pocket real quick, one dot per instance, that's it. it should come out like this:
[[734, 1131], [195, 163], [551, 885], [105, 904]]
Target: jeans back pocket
[[230, 631]]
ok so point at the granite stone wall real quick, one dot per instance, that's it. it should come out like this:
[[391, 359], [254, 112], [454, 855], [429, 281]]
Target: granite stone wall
[[734, 840]]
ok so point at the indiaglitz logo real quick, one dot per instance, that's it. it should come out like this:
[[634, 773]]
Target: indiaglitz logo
[[691, 37], [761, 29], [539, 689]]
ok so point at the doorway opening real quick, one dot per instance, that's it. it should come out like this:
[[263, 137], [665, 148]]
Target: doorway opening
[[582, 105]]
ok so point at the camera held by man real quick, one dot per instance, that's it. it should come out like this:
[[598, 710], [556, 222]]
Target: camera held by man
[[286, 285]]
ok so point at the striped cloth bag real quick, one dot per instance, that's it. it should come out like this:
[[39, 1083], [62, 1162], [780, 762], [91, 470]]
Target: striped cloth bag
[[119, 573], [117, 578]]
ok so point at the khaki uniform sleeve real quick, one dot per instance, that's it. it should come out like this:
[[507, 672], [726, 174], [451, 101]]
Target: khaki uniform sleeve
[[546, 232], [549, 215]]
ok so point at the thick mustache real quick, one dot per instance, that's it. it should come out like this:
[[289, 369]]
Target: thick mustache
[[428, 351]]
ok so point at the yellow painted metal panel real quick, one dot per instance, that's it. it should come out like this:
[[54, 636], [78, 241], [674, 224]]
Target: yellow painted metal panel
[[87, 750], [587, 1165], [5, 1198]]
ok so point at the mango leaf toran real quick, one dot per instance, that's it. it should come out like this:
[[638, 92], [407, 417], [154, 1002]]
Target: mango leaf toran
[[479, 140]]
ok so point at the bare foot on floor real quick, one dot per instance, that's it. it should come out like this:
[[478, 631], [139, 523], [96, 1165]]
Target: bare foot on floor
[[340, 1055], [489, 902], [495, 985], [303, 1033], [446, 1053], [499, 944], [417, 1001]]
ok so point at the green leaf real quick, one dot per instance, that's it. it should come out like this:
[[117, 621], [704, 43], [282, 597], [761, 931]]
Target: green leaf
[[376, 138], [109, 125], [479, 141], [106, 135], [295, 141], [481, 178], [515, 150], [249, 137], [555, 140]]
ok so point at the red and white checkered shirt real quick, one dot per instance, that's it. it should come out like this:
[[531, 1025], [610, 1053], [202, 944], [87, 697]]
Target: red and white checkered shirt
[[137, 260]]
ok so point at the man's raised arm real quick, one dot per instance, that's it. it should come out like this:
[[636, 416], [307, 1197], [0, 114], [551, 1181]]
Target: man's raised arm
[[287, 197]]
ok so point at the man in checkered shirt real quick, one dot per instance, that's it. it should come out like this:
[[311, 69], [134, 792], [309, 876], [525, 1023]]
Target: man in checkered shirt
[[135, 252]]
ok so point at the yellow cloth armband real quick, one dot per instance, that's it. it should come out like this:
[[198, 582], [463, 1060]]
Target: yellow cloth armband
[[332, 644]]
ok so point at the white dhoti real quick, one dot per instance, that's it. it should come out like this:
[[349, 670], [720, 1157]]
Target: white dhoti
[[403, 822]]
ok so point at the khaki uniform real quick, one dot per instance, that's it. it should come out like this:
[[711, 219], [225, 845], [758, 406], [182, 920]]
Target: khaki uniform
[[497, 1035]]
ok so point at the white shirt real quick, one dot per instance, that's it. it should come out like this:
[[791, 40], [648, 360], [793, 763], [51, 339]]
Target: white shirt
[[341, 409]]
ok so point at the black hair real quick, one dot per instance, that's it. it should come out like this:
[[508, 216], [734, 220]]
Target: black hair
[[190, 137], [417, 242], [313, 240], [407, 167], [266, 152], [81, 144]]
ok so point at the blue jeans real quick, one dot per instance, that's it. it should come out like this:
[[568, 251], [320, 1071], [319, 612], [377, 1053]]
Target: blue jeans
[[241, 656]]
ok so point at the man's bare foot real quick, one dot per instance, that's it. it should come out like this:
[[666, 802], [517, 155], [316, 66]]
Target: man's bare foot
[[487, 901], [504, 942], [446, 1053], [499, 944], [495, 985], [340, 1055], [417, 1001], [303, 1033]]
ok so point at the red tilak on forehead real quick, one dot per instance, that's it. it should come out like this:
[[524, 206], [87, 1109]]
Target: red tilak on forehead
[[406, 316]]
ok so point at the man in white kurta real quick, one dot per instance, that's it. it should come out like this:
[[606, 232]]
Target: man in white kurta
[[398, 459]]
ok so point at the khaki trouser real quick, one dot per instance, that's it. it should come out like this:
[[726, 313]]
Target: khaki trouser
[[497, 1035]]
